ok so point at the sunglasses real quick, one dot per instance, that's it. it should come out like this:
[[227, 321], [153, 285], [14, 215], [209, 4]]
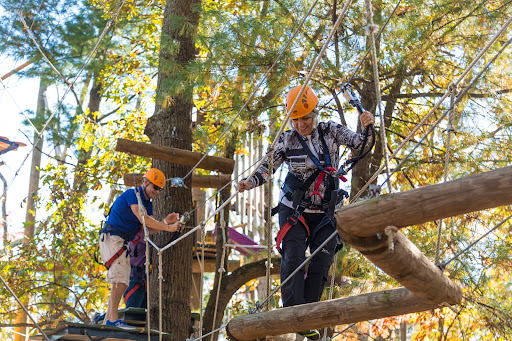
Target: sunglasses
[[156, 187]]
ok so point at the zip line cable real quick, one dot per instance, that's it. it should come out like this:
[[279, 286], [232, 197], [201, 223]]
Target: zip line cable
[[257, 87], [88, 59], [436, 106], [23, 307], [446, 262], [457, 100]]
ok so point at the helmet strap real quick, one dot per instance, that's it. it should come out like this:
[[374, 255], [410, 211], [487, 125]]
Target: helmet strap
[[144, 189]]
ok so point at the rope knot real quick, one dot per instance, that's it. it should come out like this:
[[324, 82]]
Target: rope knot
[[453, 88], [371, 29], [390, 231]]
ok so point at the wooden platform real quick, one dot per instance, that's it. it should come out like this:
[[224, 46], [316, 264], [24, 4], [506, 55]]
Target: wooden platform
[[85, 332]]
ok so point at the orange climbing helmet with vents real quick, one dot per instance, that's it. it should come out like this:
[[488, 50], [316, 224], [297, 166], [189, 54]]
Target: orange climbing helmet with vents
[[156, 177], [307, 101]]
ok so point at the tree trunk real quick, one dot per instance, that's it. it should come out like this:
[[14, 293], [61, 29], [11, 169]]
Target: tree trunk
[[170, 127], [20, 333]]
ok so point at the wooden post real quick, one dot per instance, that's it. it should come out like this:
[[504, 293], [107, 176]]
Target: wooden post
[[198, 181], [408, 265], [428, 203], [326, 313], [175, 155]]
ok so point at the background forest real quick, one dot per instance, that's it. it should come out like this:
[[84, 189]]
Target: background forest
[[211, 76]]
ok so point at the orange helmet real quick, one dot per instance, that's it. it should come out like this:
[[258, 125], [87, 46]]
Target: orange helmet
[[156, 177], [306, 103]]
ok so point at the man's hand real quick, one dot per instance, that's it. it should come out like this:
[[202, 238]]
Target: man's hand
[[173, 227], [172, 218]]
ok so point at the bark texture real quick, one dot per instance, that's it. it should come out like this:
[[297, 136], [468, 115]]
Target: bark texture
[[170, 127]]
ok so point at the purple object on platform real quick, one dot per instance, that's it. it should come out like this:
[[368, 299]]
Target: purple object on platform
[[238, 238]]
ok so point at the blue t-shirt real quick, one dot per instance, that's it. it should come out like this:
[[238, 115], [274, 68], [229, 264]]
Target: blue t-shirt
[[121, 215]]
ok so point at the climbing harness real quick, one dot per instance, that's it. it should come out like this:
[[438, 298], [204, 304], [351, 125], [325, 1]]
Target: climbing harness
[[295, 192], [118, 254]]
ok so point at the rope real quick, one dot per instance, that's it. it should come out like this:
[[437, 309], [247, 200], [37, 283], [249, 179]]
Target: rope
[[263, 79], [372, 28], [313, 68], [70, 86], [351, 78], [449, 130], [443, 264], [221, 268], [142, 213], [160, 280], [331, 287], [268, 230], [358, 67], [436, 106], [23, 307], [201, 266]]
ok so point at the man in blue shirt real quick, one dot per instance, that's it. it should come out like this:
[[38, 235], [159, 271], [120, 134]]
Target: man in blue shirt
[[123, 224]]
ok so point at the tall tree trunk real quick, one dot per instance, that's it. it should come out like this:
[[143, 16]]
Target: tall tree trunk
[[170, 126], [20, 333]]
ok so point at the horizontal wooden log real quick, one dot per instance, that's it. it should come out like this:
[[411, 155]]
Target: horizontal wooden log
[[409, 266], [198, 180], [429, 203], [326, 313], [175, 155]]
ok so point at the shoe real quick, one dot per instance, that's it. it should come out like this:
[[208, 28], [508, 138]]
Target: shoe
[[312, 334], [98, 318], [120, 324]]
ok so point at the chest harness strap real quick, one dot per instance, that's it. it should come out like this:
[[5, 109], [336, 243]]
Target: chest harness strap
[[299, 203]]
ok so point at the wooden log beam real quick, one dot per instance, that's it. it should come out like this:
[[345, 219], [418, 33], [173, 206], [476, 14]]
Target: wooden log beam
[[326, 313], [198, 180], [428, 203], [175, 155], [409, 266]]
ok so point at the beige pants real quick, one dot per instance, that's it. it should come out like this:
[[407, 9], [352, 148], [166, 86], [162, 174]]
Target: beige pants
[[119, 271]]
